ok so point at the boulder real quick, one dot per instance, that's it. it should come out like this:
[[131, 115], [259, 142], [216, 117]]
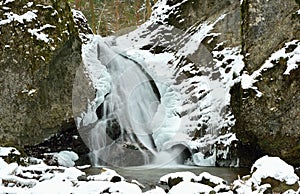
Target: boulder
[[267, 120], [40, 50]]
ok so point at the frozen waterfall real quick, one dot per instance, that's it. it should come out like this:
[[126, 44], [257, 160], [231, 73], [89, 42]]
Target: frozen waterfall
[[134, 117]]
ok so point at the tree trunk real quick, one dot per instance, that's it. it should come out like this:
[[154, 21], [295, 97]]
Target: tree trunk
[[148, 9], [93, 15], [137, 12], [77, 4]]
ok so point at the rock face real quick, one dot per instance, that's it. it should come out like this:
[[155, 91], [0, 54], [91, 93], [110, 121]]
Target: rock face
[[268, 124], [40, 50]]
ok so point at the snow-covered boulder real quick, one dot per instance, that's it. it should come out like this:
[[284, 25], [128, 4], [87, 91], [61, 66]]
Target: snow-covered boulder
[[275, 168], [66, 158], [269, 173], [106, 175], [173, 179]]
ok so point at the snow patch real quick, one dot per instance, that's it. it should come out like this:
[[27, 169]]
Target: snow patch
[[190, 188], [5, 151], [39, 34], [162, 11], [195, 40], [28, 17], [292, 57]]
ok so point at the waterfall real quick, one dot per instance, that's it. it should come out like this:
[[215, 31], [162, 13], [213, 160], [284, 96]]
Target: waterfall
[[134, 117], [142, 107]]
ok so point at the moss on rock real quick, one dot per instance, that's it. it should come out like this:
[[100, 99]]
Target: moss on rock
[[39, 57]]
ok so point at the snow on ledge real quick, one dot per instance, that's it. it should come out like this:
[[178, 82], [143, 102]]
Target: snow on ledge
[[39, 34], [292, 58]]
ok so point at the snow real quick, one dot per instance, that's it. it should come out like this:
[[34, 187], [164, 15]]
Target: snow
[[266, 167], [83, 167], [125, 188], [28, 17], [39, 178], [8, 1], [192, 45], [105, 175], [157, 190], [162, 11], [275, 168], [190, 188], [214, 179], [39, 34], [66, 158], [186, 176], [248, 81], [293, 57], [5, 151], [30, 92], [8, 169]]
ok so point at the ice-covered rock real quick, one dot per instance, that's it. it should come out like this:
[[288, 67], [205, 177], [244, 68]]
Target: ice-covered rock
[[66, 158]]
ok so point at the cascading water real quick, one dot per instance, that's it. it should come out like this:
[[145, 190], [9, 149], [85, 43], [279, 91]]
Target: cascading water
[[131, 109]]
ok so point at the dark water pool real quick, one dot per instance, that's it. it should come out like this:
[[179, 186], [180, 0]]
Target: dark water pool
[[150, 176]]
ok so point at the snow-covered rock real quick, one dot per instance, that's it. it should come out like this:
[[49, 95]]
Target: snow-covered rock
[[190, 188], [185, 176], [5, 151], [66, 158], [211, 179], [273, 167], [268, 173], [105, 175]]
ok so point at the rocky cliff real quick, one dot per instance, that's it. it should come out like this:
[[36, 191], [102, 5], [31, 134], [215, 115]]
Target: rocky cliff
[[40, 50], [268, 113]]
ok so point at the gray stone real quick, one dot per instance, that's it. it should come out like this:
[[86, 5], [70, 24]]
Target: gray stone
[[37, 74]]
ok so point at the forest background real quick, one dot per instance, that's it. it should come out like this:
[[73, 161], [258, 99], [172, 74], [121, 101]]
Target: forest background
[[107, 17]]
